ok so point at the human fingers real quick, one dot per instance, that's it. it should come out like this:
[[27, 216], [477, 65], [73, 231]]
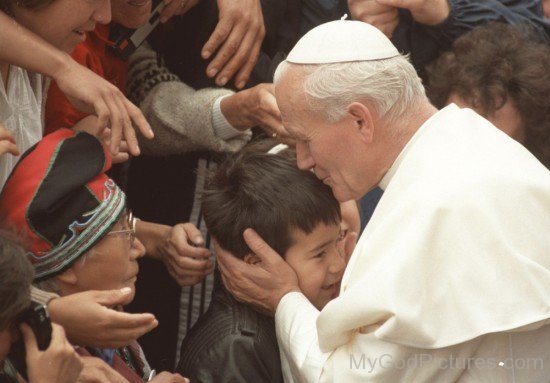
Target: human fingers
[[187, 232], [190, 264], [31, 347], [5, 134], [242, 77], [97, 371], [139, 119], [258, 246], [227, 263], [183, 278], [108, 298], [233, 51], [59, 339], [171, 8], [9, 147], [216, 39], [102, 112], [128, 133], [234, 59], [116, 125]]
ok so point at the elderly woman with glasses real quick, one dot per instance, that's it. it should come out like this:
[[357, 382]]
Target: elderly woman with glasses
[[79, 235]]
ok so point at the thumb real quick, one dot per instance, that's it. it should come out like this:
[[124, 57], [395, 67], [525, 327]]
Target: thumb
[[260, 247], [29, 338], [111, 298]]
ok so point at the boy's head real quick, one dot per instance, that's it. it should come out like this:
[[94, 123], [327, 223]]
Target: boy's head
[[76, 231], [15, 282], [294, 212]]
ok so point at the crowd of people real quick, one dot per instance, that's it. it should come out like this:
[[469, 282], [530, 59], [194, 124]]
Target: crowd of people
[[274, 191]]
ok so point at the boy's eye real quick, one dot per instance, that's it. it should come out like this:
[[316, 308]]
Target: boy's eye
[[321, 254]]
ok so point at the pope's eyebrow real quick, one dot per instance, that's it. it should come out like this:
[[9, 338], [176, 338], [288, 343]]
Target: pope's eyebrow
[[321, 246]]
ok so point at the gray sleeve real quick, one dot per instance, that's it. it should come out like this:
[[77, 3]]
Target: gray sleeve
[[181, 117]]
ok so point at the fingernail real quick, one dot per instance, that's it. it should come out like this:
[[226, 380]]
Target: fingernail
[[163, 19], [223, 81], [212, 72], [125, 290], [206, 54], [241, 84]]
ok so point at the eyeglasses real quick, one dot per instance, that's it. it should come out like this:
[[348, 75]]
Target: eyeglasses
[[131, 222]]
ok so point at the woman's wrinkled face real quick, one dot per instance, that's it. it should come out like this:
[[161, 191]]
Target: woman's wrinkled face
[[131, 13], [64, 23], [112, 263]]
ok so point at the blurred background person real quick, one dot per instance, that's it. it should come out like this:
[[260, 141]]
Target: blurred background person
[[503, 74]]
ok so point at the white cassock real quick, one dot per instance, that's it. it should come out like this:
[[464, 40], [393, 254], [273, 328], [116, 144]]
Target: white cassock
[[450, 282]]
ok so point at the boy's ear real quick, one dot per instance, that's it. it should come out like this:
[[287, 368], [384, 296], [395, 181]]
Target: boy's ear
[[251, 259], [68, 277]]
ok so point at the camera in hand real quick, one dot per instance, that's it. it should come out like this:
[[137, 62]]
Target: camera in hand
[[38, 319]]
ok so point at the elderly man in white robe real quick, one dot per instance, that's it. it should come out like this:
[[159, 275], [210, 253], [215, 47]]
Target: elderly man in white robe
[[450, 281]]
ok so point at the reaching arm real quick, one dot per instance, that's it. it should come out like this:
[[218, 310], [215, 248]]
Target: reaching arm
[[86, 90]]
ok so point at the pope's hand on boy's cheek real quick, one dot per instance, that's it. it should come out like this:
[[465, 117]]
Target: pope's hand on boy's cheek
[[185, 258], [262, 284]]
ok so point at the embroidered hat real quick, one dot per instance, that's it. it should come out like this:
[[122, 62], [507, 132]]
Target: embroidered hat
[[60, 200], [342, 41]]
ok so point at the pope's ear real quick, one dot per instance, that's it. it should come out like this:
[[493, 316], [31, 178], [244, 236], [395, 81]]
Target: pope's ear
[[251, 259], [363, 120], [68, 277]]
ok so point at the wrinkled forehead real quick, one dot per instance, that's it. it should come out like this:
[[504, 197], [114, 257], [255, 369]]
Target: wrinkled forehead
[[292, 102]]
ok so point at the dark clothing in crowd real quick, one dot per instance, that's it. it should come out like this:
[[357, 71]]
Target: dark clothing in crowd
[[425, 43], [231, 342]]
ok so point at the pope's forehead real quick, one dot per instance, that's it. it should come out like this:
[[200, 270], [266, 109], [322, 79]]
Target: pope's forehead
[[288, 88]]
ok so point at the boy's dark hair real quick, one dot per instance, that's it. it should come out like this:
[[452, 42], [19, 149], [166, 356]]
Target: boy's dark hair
[[268, 193], [16, 274], [493, 64]]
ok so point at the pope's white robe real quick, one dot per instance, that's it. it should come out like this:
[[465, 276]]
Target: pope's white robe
[[450, 280]]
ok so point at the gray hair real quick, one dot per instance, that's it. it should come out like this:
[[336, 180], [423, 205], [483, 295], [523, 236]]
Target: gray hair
[[51, 284], [391, 85]]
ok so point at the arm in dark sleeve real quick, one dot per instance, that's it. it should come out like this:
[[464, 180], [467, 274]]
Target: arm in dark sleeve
[[425, 43]]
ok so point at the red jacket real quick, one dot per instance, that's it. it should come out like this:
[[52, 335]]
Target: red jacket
[[94, 53]]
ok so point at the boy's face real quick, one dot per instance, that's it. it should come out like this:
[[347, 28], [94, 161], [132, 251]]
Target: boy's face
[[112, 263], [318, 263]]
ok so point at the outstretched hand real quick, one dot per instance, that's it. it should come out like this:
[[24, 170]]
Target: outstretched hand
[[236, 40], [90, 93], [89, 320], [262, 284], [427, 12]]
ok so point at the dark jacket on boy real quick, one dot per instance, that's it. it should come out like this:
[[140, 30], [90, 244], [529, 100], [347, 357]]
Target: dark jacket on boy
[[231, 342]]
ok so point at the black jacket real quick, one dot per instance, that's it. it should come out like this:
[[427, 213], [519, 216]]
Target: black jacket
[[425, 43], [230, 343]]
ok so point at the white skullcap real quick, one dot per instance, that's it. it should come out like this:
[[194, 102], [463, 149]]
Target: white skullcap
[[342, 41]]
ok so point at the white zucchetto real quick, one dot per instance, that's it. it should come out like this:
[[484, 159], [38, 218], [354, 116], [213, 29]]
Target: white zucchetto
[[342, 41]]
